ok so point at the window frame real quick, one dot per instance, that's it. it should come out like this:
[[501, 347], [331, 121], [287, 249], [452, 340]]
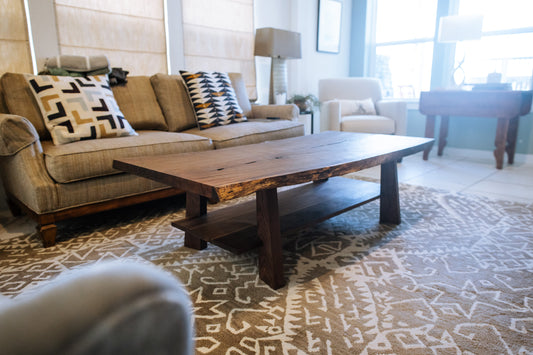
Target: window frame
[[443, 57]]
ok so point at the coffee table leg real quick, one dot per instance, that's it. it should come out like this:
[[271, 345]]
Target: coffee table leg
[[196, 206], [389, 205], [268, 230]]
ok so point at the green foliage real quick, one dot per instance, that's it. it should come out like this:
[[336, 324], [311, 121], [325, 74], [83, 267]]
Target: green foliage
[[304, 102]]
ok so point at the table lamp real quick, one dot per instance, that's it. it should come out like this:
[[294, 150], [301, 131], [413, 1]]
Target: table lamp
[[458, 28], [279, 45]]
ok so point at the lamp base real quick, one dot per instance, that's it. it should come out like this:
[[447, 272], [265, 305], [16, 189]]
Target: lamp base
[[278, 79]]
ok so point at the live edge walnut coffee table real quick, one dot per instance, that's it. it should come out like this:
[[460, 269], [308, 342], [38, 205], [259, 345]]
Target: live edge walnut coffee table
[[314, 161]]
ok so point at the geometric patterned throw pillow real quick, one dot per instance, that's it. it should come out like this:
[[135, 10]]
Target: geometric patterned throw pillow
[[213, 98], [77, 108]]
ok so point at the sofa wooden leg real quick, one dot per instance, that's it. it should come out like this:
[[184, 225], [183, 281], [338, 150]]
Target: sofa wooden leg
[[14, 208], [48, 234]]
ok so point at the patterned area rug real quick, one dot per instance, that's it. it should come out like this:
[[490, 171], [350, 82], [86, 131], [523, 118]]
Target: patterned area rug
[[455, 277]]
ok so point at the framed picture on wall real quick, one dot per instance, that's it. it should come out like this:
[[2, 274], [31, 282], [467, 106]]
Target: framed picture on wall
[[329, 26]]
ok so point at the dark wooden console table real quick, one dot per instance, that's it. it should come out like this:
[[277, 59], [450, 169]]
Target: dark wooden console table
[[506, 106]]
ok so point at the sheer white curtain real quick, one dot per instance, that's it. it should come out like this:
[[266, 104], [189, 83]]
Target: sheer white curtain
[[130, 32], [219, 35], [14, 45]]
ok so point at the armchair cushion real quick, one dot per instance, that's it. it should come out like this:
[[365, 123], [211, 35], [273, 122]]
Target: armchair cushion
[[357, 107], [213, 99], [78, 108], [368, 124]]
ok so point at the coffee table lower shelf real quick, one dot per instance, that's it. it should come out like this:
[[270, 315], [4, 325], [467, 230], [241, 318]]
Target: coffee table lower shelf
[[235, 227]]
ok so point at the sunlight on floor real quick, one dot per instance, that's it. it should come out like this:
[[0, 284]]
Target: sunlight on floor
[[467, 171]]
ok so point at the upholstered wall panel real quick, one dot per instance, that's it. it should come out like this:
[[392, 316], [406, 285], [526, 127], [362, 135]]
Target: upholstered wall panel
[[219, 36], [130, 32], [15, 53]]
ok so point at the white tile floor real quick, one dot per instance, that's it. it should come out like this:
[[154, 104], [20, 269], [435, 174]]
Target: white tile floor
[[467, 171]]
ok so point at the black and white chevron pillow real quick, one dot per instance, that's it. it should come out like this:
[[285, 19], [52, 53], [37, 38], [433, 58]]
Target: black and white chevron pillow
[[78, 108], [213, 98]]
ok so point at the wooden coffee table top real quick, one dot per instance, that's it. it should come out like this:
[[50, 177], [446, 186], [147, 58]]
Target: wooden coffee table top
[[234, 172]]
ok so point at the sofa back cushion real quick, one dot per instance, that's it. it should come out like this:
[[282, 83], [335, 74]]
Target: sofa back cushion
[[174, 101], [138, 103], [240, 91], [20, 101], [3, 107]]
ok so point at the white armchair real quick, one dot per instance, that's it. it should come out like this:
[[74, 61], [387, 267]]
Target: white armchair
[[356, 105]]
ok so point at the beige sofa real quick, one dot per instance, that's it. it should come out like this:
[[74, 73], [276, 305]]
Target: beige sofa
[[52, 183]]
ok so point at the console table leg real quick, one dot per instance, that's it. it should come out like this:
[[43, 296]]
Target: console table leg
[[443, 134], [268, 230], [500, 141], [512, 134], [389, 205], [430, 133], [196, 206]]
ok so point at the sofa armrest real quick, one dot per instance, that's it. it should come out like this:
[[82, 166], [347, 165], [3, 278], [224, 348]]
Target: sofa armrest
[[16, 133], [22, 166], [330, 112], [397, 110], [286, 112]]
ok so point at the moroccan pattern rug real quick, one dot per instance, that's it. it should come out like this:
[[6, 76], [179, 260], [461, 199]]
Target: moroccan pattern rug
[[455, 277]]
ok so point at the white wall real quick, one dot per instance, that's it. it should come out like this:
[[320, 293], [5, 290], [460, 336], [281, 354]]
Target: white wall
[[302, 16]]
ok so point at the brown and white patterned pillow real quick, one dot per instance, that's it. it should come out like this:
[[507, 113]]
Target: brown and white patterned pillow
[[213, 98], [78, 108]]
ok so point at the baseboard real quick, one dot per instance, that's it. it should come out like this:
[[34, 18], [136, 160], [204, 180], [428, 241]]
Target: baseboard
[[481, 154]]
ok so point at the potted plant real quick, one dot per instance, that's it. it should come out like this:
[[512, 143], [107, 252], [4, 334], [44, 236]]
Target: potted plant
[[304, 103]]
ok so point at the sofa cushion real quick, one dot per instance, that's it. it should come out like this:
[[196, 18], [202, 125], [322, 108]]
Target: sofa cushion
[[242, 95], [88, 159], [139, 105], [3, 107], [250, 132], [20, 101], [213, 99], [78, 108], [174, 100]]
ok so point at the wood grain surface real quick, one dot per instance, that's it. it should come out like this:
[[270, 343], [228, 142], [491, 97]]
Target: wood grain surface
[[234, 172]]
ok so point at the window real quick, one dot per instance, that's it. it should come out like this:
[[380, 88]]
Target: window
[[505, 47], [402, 48], [401, 44]]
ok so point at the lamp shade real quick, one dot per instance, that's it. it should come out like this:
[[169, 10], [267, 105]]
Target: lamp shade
[[460, 28], [276, 43]]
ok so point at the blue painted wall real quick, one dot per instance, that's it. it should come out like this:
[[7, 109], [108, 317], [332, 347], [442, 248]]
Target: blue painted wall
[[473, 132]]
